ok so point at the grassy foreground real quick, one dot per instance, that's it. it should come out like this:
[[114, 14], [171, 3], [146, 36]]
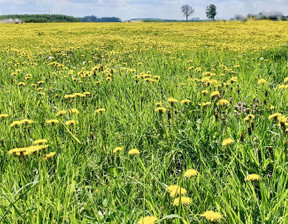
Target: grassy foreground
[[144, 123]]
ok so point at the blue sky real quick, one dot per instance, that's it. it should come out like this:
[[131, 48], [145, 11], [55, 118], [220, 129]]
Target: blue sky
[[126, 9]]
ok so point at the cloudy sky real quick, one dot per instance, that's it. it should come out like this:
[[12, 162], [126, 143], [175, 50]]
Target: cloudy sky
[[126, 9]]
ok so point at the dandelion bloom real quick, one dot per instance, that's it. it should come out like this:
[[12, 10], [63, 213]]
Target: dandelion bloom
[[27, 150], [133, 152], [191, 173], [215, 93], [286, 79], [261, 81], [227, 142], [212, 216], [100, 110], [274, 116], [147, 220], [49, 156], [175, 190], [74, 111], [182, 200], [53, 121], [118, 149], [40, 142], [253, 177], [86, 93], [70, 123], [61, 113], [15, 124], [223, 102], [21, 84], [249, 117], [205, 92], [160, 110], [185, 101], [172, 100], [4, 115], [158, 104], [204, 104], [27, 121]]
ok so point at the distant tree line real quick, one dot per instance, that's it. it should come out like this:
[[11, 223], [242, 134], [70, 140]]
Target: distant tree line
[[40, 18], [102, 19]]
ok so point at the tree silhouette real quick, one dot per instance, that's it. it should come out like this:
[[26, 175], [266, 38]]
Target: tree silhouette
[[211, 12], [187, 11]]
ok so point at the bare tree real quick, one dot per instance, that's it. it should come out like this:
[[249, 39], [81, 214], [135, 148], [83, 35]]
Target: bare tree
[[187, 11]]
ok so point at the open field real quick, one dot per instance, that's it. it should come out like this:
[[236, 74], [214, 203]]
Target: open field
[[128, 113]]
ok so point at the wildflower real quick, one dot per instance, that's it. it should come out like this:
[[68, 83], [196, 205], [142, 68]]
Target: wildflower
[[74, 111], [70, 123], [282, 119], [53, 121], [286, 79], [133, 152], [118, 149], [158, 104], [172, 100], [61, 113], [4, 115], [191, 173], [253, 177], [86, 93], [21, 83], [49, 156], [215, 94], [204, 104], [212, 216], [249, 117], [27, 121], [205, 92], [78, 95], [227, 142], [175, 190], [100, 110], [261, 81], [69, 96], [234, 79], [40, 142], [274, 116], [185, 101], [147, 220], [15, 124], [160, 110], [223, 102], [182, 200], [40, 82]]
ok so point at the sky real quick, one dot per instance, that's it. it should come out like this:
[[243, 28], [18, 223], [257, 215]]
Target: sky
[[127, 9]]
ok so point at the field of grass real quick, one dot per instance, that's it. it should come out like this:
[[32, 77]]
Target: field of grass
[[174, 122]]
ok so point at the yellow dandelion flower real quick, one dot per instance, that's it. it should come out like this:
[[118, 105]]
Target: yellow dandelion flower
[[223, 102], [100, 110], [227, 142], [249, 117], [261, 81], [175, 190], [78, 95], [49, 156], [21, 84], [286, 79], [40, 142], [191, 173], [86, 93], [234, 79], [61, 113], [160, 110], [274, 116], [70, 123], [74, 111], [215, 93], [182, 201], [185, 101], [52, 121], [282, 119], [15, 124], [205, 92], [253, 177], [118, 149], [4, 115], [172, 100], [212, 216], [204, 104], [69, 96], [133, 152], [40, 82], [147, 220], [27, 121]]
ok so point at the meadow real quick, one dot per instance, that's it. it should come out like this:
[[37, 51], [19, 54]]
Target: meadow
[[144, 123]]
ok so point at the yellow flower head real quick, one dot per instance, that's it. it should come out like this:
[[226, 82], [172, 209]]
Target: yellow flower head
[[21, 84], [53, 121], [215, 94], [4, 115], [61, 113], [100, 110], [70, 123], [172, 100], [27, 121], [227, 142], [40, 142], [223, 102], [253, 177], [286, 79], [147, 220], [185, 101], [274, 116], [182, 201], [133, 152], [205, 92], [118, 149], [249, 117], [175, 190], [15, 124], [49, 156], [262, 81], [191, 173], [205, 104], [74, 111], [212, 216], [160, 110]]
